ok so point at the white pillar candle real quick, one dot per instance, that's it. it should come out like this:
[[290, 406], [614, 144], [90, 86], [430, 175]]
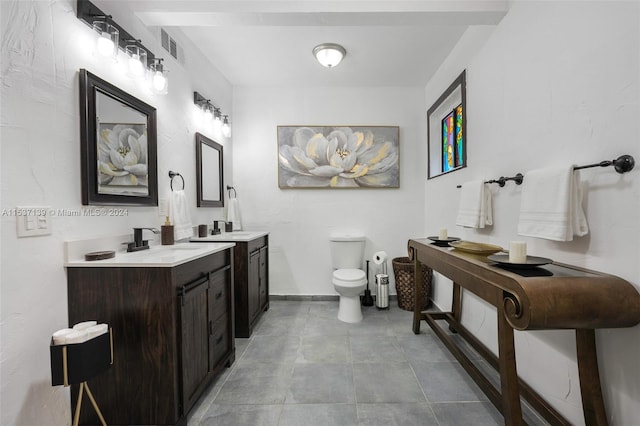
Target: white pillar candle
[[518, 252], [442, 234]]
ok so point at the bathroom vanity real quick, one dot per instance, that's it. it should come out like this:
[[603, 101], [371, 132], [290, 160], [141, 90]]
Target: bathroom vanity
[[172, 317], [251, 272]]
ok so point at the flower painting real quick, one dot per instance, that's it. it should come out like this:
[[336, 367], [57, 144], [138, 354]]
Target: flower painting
[[338, 157], [122, 159]]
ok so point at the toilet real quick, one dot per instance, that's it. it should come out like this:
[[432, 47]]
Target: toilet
[[349, 280]]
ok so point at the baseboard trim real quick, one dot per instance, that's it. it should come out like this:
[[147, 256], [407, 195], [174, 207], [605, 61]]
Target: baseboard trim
[[315, 297]]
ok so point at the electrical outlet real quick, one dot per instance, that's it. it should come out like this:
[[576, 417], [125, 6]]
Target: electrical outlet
[[33, 221]]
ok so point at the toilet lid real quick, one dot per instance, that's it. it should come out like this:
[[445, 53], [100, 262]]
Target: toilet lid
[[349, 274]]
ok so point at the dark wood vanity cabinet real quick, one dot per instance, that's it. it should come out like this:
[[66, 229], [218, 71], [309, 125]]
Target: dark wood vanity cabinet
[[251, 261], [173, 332]]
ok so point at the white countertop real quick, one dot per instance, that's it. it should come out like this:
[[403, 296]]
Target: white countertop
[[240, 236], [155, 256]]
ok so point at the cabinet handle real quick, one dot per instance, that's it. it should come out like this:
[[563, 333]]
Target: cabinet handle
[[210, 328], [218, 295], [219, 339]]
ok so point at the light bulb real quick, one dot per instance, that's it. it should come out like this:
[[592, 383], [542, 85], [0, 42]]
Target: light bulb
[[226, 129], [135, 66], [105, 44], [217, 123], [208, 115], [159, 81]]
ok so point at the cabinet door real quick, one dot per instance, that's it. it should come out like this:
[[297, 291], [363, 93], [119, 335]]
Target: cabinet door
[[253, 284], [194, 328], [263, 280], [219, 309]]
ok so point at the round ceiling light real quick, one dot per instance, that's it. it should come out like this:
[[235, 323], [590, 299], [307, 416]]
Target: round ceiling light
[[329, 54]]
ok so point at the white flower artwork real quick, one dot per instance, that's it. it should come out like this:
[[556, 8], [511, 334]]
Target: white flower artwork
[[338, 157], [122, 159]]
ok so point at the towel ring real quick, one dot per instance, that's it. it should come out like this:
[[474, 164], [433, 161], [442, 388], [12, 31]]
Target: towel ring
[[231, 188], [174, 174]]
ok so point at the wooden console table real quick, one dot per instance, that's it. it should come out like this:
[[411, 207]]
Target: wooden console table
[[555, 296]]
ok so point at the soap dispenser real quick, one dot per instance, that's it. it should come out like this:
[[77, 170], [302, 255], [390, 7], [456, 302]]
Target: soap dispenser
[[167, 232]]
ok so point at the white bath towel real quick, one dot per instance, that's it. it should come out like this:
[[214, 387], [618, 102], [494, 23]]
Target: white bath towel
[[475, 210], [180, 217], [551, 205], [233, 214]]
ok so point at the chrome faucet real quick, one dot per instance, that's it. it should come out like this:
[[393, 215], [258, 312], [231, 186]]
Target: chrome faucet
[[138, 243]]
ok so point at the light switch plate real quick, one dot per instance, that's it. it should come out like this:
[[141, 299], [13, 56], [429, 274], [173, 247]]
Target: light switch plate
[[33, 221]]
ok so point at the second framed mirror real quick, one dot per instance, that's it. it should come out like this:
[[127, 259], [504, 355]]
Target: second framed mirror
[[209, 172]]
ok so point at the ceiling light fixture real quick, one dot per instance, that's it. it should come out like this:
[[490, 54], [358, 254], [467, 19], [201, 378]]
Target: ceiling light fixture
[[329, 54]]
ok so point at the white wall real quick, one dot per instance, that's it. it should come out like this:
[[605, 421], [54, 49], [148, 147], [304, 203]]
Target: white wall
[[300, 221], [43, 46], [556, 83]]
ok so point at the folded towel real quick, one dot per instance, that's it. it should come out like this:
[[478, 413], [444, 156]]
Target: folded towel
[[475, 209], [182, 227], [551, 205], [233, 214]]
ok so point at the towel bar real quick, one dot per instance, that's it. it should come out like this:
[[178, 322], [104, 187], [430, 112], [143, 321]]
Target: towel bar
[[623, 164]]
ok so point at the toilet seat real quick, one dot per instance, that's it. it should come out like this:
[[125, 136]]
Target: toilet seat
[[349, 277]]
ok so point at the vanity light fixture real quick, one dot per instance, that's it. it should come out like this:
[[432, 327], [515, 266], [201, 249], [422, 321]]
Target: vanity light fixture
[[112, 37], [159, 82], [108, 37], [226, 129], [212, 112], [329, 54]]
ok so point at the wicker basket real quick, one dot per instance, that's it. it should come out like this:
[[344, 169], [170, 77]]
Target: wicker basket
[[403, 271]]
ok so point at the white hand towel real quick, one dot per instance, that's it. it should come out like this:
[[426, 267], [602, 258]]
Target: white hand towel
[[475, 209], [551, 205], [180, 218], [233, 214]]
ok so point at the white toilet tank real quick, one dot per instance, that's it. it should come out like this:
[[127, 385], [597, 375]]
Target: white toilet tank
[[347, 252]]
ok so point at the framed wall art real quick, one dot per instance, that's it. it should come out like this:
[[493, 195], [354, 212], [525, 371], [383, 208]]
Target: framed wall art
[[446, 130], [338, 157]]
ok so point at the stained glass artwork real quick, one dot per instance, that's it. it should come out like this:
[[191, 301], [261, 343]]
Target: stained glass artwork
[[448, 149], [452, 140], [459, 160]]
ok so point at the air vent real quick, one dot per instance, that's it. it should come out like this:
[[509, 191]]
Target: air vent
[[168, 43]]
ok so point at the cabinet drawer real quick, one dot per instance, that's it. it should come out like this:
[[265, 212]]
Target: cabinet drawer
[[256, 244], [219, 340], [199, 268], [219, 293]]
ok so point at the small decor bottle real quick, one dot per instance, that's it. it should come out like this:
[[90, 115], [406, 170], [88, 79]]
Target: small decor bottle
[[167, 232]]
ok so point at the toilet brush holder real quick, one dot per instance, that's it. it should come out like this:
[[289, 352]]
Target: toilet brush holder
[[367, 299]]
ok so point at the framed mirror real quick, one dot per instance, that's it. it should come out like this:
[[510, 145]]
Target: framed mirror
[[446, 130], [117, 145], [209, 173]]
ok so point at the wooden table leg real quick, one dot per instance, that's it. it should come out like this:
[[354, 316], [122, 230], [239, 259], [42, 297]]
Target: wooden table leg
[[592, 403], [456, 305], [417, 295], [511, 409]]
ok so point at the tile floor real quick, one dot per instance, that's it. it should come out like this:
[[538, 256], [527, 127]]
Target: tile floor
[[302, 366]]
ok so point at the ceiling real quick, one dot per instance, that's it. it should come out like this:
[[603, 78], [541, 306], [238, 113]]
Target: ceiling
[[269, 43]]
